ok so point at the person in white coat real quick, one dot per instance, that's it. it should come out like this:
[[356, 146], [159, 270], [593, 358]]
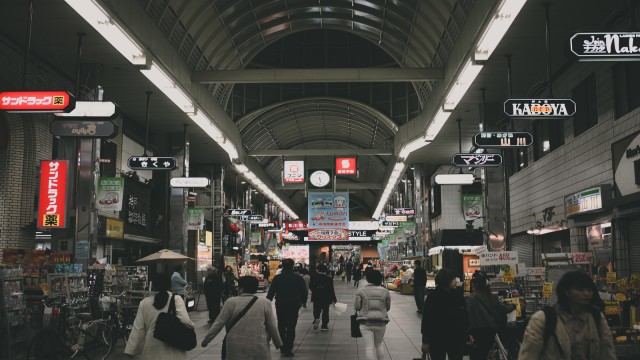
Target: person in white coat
[[145, 324]]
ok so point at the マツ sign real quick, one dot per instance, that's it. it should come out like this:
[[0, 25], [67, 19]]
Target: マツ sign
[[52, 205], [36, 101], [477, 160]]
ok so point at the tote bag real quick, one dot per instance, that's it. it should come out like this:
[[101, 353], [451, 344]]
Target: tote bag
[[355, 327], [170, 330]]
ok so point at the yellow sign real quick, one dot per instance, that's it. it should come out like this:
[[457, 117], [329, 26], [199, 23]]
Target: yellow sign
[[547, 290], [507, 275], [611, 277], [114, 229], [622, 285], [621, 297], [635, 281], [516, 302]]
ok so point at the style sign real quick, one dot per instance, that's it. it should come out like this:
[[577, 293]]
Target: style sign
[[503, 140], [477, 160], [75, 128], [346, 166], [189, 182], [534, 108], [52, 205], [293, 171], [36, 101], [109, 194], [612, 46], [151, 163]]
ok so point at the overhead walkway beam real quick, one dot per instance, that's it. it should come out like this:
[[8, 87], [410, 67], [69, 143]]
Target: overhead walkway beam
[[248, 76], [340, 186], [319, 152]]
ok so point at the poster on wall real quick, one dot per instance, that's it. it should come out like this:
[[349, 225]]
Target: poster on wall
[[298, 253], [471, 206], [109, 193], [233, 262], [52, 208], [626, 165], [328, 216], [256, 239], [195, 219]]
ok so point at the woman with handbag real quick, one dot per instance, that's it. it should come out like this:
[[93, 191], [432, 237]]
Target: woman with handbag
[[249, 323], [144, 325], [371, 304]]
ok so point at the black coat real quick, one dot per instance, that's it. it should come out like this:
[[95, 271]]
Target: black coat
[[288, 288], [444, 317], [213, 286], [322, 291]]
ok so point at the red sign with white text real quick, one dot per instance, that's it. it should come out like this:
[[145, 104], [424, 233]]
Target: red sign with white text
[[296, 225], [346, 166], [53, 193], [37, 101]]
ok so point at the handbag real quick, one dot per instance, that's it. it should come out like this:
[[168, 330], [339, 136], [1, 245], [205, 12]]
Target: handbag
[[233, 323], [169, 329], [355, 327]]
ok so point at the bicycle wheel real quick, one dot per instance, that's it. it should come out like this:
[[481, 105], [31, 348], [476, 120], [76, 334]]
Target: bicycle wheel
[[98, 342], [47, 345]]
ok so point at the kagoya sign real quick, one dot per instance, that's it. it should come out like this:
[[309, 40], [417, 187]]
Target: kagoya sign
[[612, 46], [549, 108]]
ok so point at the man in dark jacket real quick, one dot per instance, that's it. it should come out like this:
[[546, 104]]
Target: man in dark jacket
[[419, 283], [213, 293], [322, 295], [290, 292], [348, 269]]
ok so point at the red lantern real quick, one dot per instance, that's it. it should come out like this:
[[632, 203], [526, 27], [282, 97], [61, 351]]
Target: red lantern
[[234, 227]]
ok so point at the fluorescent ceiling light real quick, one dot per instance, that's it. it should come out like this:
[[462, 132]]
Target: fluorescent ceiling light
[[91, 109], [454, 179], [103, 22], [205, 123], [412, 146], [460, 86], [230, 149], [242, 168], [436, 124], [165, 83], [497, 28], [398, 168]]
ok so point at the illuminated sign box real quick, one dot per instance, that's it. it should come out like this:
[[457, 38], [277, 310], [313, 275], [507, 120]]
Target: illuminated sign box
[[588, 200], [293, 171], [37, 101], [53, 194], [346, 166]]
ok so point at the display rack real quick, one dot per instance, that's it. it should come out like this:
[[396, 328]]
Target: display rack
[[14, 333], [532, 285], [137, 277], [73, 286]]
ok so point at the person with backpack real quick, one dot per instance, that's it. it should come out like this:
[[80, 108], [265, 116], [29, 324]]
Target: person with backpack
[[322, 295], [574, 328]]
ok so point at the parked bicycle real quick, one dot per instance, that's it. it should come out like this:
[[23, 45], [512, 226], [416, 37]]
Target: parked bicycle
[[504, 350], [72, 334]]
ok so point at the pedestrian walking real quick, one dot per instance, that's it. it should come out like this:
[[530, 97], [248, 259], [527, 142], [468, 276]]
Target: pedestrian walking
[[348, 269], [332, 269], [574, 328], [249, 323], [307, 280], [357, 274], [444, 319], [213, 293], [419, 283], [322, 295], [144, 325], [372, 304], [178, 284], [229, 280], [290, 292]]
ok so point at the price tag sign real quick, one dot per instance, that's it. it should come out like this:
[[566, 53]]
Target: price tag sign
[[621, 297], [498, 258], [547, 290], [516, 302], [622, 285], [507, 275], [635, 281], [611, 277]]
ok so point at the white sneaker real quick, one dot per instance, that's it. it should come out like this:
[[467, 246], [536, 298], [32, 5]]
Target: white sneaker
[[316, 322]]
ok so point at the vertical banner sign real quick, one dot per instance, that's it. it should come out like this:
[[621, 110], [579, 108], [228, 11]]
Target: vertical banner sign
[[293, 172], [195, 219], [471, 206], [53, 193], [328, 216], [109, 194]]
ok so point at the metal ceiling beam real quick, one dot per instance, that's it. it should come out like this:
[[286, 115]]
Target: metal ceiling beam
[[319, 152], [248, 76], [340, 186]]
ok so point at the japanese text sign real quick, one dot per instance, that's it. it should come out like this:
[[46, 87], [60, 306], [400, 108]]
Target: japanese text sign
[[151, 163], [53, 194], [477, 160], [110, 193], [346, 166], [36, 101], [114, 229], [328, 216], [295, 225], [499, 258], [293, 171], [503, 139]]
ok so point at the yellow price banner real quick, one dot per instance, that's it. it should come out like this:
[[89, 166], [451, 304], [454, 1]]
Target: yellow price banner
[[635, 281], [611, 277], [547, 290], [507, 275], [621, 297]]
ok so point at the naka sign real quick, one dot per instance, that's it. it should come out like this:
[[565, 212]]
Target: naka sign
[[533, 108], [53, 194], [346, 166], [613, 46], [37, 101]]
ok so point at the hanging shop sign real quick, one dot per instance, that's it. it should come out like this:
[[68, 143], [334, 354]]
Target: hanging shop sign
[[293, 171], [588, 200], [608, 46], [52, 205], [195, 219], [295, 225], [503, 140], [391, 223], [36, 101], [136, 208], [237, 212], [581, 258], [189, 182], [363, 225], [267, 225], [251, 217], [346, 166], [328, 216], [152, 163], [83, 109], [471, 206], [361, 235], [403, 211], [626, 165], [535, 108], [477, 160], [109, 193], [498, 258], [90, 128], [395, 218], [114, 228]]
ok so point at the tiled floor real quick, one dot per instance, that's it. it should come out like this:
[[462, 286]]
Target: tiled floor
[[402, 338]]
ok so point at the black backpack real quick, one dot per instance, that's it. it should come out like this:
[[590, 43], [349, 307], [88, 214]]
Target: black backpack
[[551, 320]]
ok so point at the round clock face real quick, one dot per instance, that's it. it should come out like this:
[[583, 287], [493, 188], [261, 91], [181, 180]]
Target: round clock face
[[319, 178]]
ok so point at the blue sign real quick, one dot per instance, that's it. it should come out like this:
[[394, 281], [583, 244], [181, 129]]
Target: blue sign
[[328, 216]]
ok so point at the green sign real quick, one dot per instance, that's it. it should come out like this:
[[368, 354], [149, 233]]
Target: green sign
[[109, 194], [195, 219], [471, 206]]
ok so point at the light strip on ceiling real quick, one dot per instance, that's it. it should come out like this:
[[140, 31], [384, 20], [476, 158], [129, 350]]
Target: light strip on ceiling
[[411, 147], [243, 170], [461, 84], [497, 28], [454, 179], [396, 173], [104, 23], [436, 124], [169, 87]]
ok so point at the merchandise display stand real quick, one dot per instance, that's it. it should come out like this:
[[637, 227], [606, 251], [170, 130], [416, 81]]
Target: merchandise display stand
[[73, 286], [14, 333]]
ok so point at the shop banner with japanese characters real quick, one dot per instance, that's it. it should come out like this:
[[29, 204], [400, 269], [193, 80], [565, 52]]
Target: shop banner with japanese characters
[[498, 258], [53, 194], [328, 216], [37, 101], [109, 193], [136, 212], [195, 219]]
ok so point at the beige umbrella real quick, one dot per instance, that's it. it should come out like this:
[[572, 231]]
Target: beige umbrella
[[164, 255]]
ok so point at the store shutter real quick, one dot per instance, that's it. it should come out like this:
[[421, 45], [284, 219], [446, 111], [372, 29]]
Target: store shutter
[[523, 244], [633, 235]]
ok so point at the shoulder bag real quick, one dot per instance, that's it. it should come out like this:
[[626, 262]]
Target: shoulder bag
[[355, 327], [233, 323], [169, 329]]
